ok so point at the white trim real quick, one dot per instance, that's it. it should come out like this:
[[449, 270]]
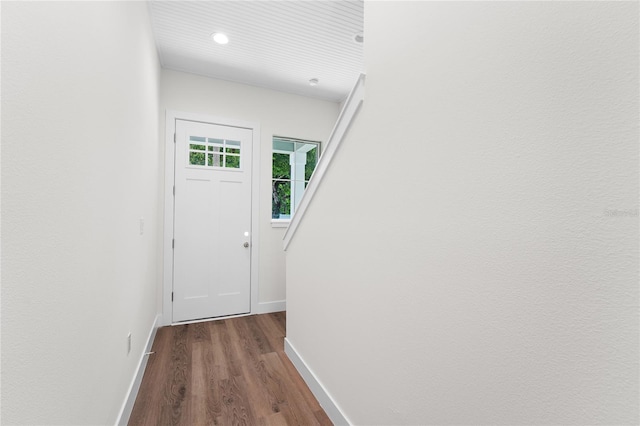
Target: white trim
[[280, 223], [196, 321], [169, 167], [349, 111], [134, 387], [324, 398], [269, 307], [260, 308]]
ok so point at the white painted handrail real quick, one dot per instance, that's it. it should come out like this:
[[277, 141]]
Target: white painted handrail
[[349, 111]]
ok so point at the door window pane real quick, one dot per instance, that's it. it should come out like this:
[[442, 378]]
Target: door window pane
[[232, 162], [214, 160], [196, 158], [212, 152]]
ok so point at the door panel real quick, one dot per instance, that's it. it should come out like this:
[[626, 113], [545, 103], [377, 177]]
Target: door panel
[[212, 221]]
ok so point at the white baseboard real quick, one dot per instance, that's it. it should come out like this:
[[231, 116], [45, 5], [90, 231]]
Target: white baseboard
[[269, 307], [321, 394], [134, 387]]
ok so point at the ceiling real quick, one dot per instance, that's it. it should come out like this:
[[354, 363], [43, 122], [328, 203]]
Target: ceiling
[[279, 45]]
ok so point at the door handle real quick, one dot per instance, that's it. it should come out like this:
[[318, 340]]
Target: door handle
[[246, 245]]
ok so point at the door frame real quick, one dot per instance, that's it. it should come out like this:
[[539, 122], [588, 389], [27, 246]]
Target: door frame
[[169, 175]]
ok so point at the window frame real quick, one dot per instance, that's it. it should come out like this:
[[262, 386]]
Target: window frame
[[284, 222]]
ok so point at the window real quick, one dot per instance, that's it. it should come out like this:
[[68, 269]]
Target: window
[[293, 163], [209, 152]]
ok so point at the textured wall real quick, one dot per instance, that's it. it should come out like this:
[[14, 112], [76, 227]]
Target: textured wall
[[472, 256], [277, 113], [80, 167]]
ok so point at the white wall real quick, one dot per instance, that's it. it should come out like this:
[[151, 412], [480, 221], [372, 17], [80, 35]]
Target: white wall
[[277, 113], [483, 268], [80, 167]]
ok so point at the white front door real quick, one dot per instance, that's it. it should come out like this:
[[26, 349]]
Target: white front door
[[212, 221]]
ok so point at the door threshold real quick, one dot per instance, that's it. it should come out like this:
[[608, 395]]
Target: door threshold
[[211, 319]]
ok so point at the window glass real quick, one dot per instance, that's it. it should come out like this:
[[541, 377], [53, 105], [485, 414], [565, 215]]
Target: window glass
[[196, 158], [232, 161], [293, 163], [310, 166], [210, 152]]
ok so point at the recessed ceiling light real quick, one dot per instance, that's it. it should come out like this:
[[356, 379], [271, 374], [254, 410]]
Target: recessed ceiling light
[[314, 82], [358, 38], [220, 38]]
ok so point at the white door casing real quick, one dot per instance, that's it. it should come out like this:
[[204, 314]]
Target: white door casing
[[213, 216]]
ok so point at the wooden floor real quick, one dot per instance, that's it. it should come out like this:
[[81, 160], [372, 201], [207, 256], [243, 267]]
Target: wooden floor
[[225, 372]]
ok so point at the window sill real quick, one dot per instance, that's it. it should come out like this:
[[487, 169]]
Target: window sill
[[280, 223]]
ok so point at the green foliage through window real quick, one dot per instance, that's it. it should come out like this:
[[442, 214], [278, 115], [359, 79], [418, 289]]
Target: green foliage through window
[[293, 163]]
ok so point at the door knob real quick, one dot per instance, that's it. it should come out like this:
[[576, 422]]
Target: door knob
[[246, 244]]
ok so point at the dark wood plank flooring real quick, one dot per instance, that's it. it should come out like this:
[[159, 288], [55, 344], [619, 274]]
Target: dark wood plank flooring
[[224, 372]]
